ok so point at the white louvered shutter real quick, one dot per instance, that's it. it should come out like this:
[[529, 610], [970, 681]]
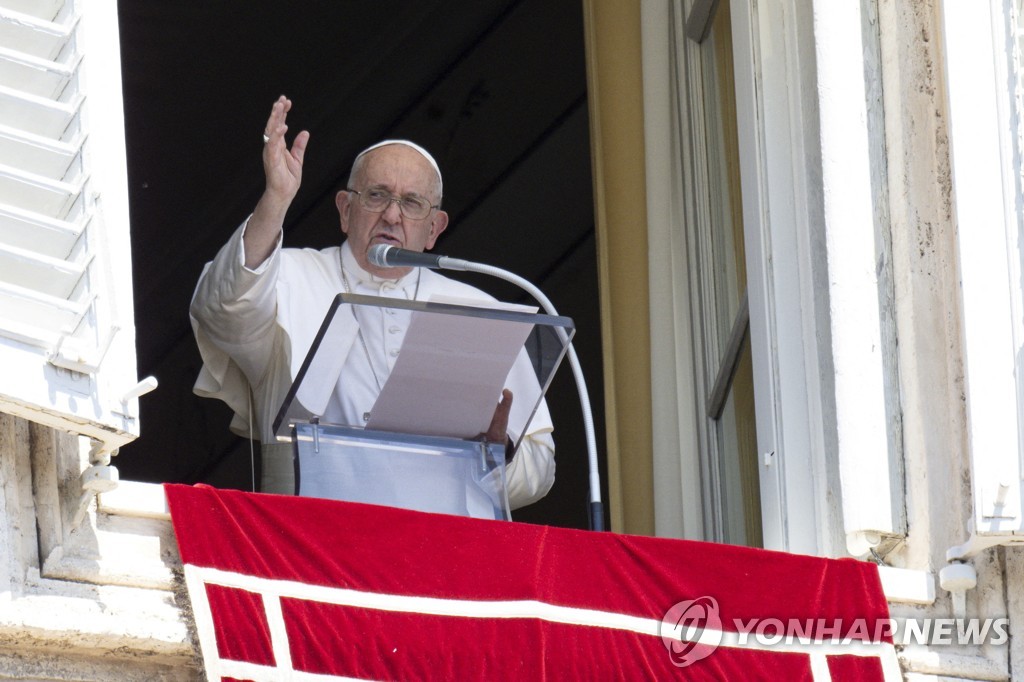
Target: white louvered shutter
[[985, 127], [67, 337]]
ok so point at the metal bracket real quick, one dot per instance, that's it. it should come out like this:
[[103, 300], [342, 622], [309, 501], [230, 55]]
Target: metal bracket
[[140, 389], [100, 477], [979, 543]]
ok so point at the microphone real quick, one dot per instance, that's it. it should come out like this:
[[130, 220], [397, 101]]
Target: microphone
[[387, 256]]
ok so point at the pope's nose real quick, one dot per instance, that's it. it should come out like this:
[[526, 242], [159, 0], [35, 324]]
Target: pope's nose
[[393, 214]]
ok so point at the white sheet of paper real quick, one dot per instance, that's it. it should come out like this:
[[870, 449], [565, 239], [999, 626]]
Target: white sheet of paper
[[449, 375]]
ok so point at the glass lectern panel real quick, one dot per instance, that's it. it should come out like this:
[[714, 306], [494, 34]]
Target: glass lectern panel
[[419, 445], [435, 403], [440, 475]]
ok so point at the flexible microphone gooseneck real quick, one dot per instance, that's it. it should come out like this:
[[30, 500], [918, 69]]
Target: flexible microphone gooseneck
[[387, 256]]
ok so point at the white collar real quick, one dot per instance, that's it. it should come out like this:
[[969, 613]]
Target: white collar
[[369, 280]]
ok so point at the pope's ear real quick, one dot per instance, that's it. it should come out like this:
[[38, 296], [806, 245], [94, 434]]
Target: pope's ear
[[342, 202], [437, 226]]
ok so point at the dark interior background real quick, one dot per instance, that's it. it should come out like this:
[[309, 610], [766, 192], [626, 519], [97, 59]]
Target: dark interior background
[[495, 89]]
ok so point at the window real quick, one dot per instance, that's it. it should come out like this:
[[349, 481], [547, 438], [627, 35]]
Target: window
[[705, 422], [67, 340], [717, 255], [745, 212]]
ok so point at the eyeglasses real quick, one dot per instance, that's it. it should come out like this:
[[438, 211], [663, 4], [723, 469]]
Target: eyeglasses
[[378, 200]]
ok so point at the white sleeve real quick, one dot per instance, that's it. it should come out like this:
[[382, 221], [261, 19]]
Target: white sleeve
[[232, 315], [233, 311], [531, 473]]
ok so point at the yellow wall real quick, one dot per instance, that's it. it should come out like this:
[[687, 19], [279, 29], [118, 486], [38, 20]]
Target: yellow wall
[[614, 82]]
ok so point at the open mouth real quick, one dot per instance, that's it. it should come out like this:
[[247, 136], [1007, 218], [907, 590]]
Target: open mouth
[[385, 239]]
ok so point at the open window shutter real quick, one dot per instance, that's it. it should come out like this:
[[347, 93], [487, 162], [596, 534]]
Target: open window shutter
[[67, 338], [984, 124]]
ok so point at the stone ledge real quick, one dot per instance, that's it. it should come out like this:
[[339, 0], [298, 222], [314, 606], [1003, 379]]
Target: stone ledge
[[73, 617]]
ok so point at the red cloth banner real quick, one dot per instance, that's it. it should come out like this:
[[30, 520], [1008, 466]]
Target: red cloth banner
[[308, 589]]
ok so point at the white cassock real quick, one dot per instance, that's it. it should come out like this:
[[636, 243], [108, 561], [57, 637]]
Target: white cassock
[[255, 326]]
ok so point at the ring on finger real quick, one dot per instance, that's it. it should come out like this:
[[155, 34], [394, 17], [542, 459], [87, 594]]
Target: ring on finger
[[266, 138]]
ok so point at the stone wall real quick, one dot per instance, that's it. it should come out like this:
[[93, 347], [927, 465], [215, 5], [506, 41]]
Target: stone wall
[[84, 596]]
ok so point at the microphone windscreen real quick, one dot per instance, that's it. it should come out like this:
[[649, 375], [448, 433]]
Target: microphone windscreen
[[378, 255]]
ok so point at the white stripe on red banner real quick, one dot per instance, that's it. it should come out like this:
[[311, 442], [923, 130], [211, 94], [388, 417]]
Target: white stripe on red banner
[[272, 590]]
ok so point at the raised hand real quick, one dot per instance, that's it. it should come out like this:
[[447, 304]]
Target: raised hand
[[282, 166], [283, 170]]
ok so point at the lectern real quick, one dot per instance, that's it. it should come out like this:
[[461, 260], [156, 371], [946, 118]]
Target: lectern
[[420, 446]]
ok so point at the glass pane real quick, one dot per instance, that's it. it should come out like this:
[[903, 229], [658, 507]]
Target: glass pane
[[726, 251], [738, 462], [734, 455]]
